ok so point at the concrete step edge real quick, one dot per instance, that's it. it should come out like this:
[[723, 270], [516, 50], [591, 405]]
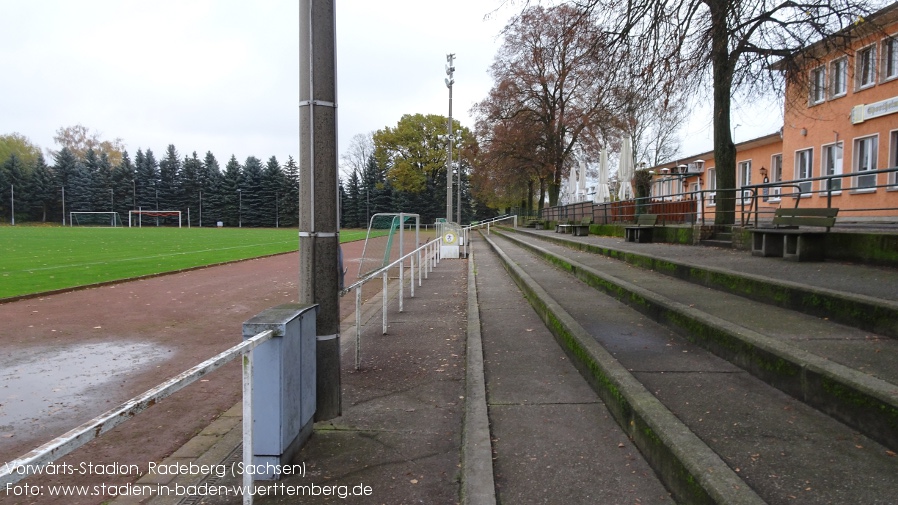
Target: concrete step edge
[[866, 403], [693, 472], [855, 310]]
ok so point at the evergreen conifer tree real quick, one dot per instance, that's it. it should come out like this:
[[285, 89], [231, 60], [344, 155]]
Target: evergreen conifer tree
[[43, 194], [169, 175], [273, 189], [231, 199], [290, 205], [253, 198]]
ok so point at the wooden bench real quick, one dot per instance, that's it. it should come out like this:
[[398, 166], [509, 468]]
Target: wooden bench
[[788, 241], [643, 231], [582, 229]]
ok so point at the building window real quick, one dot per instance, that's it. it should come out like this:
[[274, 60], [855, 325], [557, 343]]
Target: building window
[[832, 165], [890, 58], [804, 162], [865, 67], [864, 161], [712, 186], [838, 74], [743, 172], [893, 158], [818, 85], [776, 174]]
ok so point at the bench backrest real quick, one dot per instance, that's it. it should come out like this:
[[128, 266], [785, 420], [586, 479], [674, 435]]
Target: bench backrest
[[825, 217], [585, 221], [646, 220]]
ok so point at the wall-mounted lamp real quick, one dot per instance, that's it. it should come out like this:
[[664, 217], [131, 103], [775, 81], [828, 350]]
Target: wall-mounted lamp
[[804, 132], [763, 172], [699, 165]]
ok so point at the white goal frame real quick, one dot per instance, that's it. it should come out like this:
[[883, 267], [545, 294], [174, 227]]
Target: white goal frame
[[151, 213], [113, 216]]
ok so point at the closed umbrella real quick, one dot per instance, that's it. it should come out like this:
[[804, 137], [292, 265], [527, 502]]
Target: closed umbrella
[[602, 194], [625, 170], [581, 181]]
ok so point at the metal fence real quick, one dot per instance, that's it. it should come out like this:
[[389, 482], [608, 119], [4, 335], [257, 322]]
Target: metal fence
[[23, 466], [754, 202], [425, 256]]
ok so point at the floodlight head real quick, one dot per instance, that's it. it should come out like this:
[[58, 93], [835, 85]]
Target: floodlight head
[[449, 82]]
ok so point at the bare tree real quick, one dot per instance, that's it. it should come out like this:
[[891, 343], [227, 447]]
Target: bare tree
[[729, 45], [360, 149], [554, 85]]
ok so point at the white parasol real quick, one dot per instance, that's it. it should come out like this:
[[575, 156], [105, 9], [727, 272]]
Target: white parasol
[[625, 170], [602, 194]]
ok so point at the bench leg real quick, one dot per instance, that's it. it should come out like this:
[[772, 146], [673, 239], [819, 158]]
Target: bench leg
[[767, 244], [644, 235], [804, 247]]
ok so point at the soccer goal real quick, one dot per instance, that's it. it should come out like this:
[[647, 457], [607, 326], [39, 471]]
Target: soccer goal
[[139, 218], [99, 219], [389, 237]]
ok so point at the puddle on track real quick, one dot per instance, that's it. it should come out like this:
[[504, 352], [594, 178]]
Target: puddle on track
[[44, 389]]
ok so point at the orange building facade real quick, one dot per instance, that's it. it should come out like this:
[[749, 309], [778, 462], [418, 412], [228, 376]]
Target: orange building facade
[[838, 144]]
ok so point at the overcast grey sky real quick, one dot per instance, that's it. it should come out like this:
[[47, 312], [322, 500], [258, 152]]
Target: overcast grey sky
[[221, 75]]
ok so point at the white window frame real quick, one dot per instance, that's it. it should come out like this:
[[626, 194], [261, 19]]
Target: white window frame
[[808, 165], [818, 85], [776, 175], [890, 58], [838, 76], [743, 172], [864, 158], [832, 165], [893, 157], [865, 67], [712, 186]]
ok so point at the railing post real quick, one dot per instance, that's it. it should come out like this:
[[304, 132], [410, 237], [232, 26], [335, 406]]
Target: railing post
[[358, 327], [385, 303], [411, 277], [247, 426], [401, 286]]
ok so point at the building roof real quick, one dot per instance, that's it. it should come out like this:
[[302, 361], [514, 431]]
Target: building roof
[[770, 138], [860, 28]]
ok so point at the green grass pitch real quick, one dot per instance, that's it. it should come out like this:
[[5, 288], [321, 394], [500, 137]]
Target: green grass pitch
[[38, 259]]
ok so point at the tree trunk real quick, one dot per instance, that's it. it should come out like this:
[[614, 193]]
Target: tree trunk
[[724, 149], [530, 196], [542, 193]]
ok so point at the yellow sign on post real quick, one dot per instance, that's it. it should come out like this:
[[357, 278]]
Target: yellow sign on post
[[451, 237]]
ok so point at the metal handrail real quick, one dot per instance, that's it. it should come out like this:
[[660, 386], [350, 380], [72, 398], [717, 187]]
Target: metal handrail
[[798, 193], [76, 437], [431, 258], [466, 231]]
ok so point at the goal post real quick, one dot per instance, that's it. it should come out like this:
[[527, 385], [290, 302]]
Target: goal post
[[386, 240], [99, 219], [137, 217]]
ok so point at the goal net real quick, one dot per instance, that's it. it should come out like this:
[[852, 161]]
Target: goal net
[[99, 219], [140, 218], [389, 237]]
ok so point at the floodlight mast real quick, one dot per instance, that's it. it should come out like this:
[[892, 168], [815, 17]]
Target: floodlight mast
[[450, 71]]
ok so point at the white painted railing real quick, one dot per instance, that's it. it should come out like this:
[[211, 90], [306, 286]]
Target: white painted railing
[[75, 438], [466, 231], [426, 257]]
